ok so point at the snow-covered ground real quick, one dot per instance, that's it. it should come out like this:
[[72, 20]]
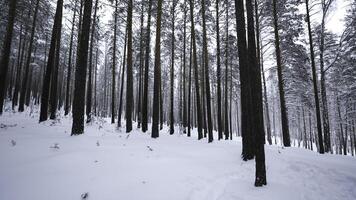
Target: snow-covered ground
[[43, 162]]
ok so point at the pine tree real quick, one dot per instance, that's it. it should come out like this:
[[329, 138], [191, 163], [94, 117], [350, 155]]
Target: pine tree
[[218, 71], [80, 72], [4, 62], [157, 74], [51, 62], [284, 116], [129, 85]]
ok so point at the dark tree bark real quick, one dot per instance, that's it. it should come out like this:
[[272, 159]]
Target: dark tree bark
[[195, 64], [147, 62], [207, 81], [171, 114], [28, 60], [114, 67], [5, 54], [122, 81], [51, 62], [157, 74], [80, 73], [184, 67], [284, 115], [316, 95], [90, 85], [18, 70], [69, 72], [54, 82], [139, 101], [226, 120], [129, 85], [246, 121], [218, 72], [257, 105], [189, 90], [260, 63]]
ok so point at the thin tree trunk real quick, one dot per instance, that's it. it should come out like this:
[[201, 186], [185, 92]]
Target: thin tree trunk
[[195, 63], [316, 94], [284, 115], [90, 85], [122, 82], [114, 67], [171, 116], [129, 85], [28, 60], [139, 101], [218, 71], [147, 58], [69, 72]]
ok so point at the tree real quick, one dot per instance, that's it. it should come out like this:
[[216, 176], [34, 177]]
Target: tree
[[218, 71], [246, 123], [69, 70], [80, 72], [316, 94], [195, 64], [4, 62], [89, 86], [284, 116], [147, 58], [28, 60], [257, 106], [129, 85], [114, 66], [171, 115], [157, 74], [51, 61]]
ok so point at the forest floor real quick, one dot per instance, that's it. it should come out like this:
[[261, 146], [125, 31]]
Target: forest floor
[[43, 162]]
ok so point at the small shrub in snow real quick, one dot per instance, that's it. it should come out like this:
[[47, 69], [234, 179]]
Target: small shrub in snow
[[85, 195]]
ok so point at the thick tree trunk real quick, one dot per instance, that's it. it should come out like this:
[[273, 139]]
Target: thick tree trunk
[[51, 62], [246, 121], [5, 54], [80, 73], [184, 68], [257, 102], [157, 75]]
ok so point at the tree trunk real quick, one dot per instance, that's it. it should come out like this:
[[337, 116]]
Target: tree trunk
[[5, 54], [122, 81], [90, 85], [171, 115], [80, 73], [114, 67], [218, 72], [28, 60], [50, 63], [129, 85], [157, 75], [147, 61], [139, 101], [257, 104], [69, 72], [284, 115], [316, 94], [246, 121], [195, 63]]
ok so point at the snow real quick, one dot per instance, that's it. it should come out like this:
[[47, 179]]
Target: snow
[[42, 161]]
